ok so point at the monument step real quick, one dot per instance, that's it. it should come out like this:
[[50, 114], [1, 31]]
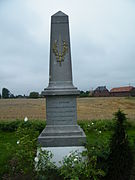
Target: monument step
[[63, 133], [62, 130], [62, 141]]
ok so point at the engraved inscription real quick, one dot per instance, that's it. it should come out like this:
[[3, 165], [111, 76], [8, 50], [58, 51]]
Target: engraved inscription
[[61, 110]]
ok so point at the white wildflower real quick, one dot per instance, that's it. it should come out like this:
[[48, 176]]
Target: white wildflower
[[88, 125], [25, 119], [36, 159], [69, 154], [92, 123], [99, 132], [18, 142], [93, 147], [75, 159]]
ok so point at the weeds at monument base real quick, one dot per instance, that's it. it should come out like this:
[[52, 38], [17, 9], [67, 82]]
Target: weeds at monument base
[[20, 159]]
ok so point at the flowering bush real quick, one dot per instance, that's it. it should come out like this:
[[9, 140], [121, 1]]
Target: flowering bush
[[75, 166], [97, 125], [44, 166], [25, 150]]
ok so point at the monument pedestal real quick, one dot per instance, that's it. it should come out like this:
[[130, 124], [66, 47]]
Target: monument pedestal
[[60, 152], [62, 136], [61, 128]]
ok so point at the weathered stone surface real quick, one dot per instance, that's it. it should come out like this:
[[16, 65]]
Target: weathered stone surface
[[61, 129], [60, 152], [60, 72], [62, 135], [61, 110]]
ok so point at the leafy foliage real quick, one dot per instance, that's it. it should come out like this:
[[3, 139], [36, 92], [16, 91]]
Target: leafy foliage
[[11, 126], [120, 159], [100, 149], [5, 93], [75, 166], [97, 125], [34, 95], [23, 155], [44, 166], [84, 94]]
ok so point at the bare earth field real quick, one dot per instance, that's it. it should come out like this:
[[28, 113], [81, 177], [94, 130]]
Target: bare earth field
[[87, 108]]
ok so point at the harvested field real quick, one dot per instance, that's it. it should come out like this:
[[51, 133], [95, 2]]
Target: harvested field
[[87, 108]]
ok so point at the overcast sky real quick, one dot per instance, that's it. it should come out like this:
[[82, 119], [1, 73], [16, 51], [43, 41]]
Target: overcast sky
[[102, 34]]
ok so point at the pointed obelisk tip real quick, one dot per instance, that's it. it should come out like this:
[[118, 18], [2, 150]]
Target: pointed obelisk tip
[[59, 17], [59, 13]]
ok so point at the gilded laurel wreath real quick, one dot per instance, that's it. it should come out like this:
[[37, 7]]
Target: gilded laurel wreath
[[60, 50]]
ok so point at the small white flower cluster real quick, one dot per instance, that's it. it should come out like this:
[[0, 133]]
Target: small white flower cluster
[[100, 132], [76, 158], [36, 159], [25, 119], [91, 124], [71, 155], [18, 142]]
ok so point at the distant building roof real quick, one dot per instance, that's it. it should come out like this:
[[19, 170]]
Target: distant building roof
[[101, 88], [122, 89]]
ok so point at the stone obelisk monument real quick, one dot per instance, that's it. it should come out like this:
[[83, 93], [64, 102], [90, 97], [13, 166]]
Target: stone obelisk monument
[[61, 130]]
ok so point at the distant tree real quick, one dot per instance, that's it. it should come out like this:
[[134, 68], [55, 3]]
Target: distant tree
[[19, 96], [120, 160], [84, 94], [0, 96], [42, 94], [87, 93], [12, 96], [34, 95], [5, 93]]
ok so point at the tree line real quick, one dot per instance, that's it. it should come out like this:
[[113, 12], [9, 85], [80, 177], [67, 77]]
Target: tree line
[[6, 94]]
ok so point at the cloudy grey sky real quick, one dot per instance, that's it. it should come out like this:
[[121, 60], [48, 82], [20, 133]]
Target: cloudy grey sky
[[102, 34]]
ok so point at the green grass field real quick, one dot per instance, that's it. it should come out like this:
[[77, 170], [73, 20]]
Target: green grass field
[[6, 139]]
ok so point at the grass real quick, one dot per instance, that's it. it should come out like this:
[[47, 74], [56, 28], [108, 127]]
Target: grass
[[6, 139], [87, 108]]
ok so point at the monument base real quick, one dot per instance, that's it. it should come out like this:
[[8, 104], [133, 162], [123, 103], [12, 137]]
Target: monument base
[[62, 136], [60, 152]]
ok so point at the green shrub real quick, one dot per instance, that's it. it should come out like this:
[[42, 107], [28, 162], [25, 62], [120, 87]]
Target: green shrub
[[11, 126], [120, 159], [100, 149], [75, 166], [22, 160], [45, 168], [99, 125], [35, 125], [94, 167]]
